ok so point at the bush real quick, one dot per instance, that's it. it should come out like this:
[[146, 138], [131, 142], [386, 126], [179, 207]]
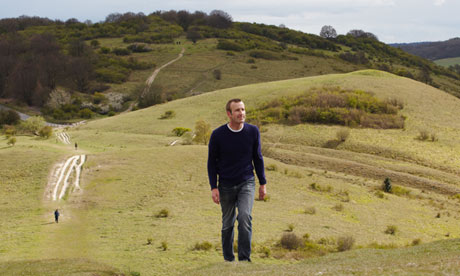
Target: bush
[[345, 243], [290, 241], [205, 246], [139, 48], [99, 98], [224, 44], [86, 113], [164, 213], [11, 141], [416, 242], [164, 245], [149, 241], [202, 132], [121, 51], [217, 74], [9, 131], [168, 114], [400, 191], [9, 117], [179, 131], [45, 132], [391, 230], [290, 227], [342, 135], [423, 135], [263, 54], [310, 210], [338, 207], [33, 124]]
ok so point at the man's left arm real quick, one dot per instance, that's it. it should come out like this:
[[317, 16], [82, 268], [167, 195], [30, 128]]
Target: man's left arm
[[258, 160]]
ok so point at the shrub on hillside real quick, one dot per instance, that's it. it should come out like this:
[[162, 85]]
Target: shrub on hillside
[[217, 74], [154, 95], [179, 131], [45, 132], [86, 113], [342, 134], [168, 114], [264, 54], [32, 125], [290, 241], [202, 132], [205, 246], [9, 117], [139, 48], [121, 51], [229, 45], [99, 98], [330, 105], [9, 131], [11, 141], [345, 243], [391, 230], [163, 213]]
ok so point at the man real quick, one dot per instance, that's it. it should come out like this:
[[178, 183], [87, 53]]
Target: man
[[56, 216], [234, 152]]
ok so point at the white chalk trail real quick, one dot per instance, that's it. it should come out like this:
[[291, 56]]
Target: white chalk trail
[[78, 170], [63, 173], [63, 137]]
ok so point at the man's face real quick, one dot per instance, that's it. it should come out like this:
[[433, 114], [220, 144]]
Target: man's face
[[238, 114]]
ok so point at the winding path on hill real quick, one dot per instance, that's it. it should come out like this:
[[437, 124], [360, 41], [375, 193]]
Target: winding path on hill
[[149, 81]]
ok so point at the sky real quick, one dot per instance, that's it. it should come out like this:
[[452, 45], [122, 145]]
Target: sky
[[392, 21]]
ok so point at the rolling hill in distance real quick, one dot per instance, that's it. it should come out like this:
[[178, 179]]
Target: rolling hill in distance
[[143, 204]]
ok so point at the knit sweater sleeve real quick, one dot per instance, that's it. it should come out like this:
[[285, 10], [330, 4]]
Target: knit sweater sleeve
[[258, 159], [212, 161]]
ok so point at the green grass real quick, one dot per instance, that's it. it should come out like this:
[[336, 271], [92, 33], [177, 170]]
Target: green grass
[[132, 174]]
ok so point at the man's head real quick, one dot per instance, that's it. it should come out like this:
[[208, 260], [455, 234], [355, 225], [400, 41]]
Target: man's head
[[236, 111]]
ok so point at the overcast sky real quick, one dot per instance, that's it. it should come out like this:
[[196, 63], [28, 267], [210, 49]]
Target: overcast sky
[[391, 20]]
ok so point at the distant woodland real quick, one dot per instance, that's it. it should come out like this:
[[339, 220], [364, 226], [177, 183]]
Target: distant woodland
[[433, 50], [38, 54]]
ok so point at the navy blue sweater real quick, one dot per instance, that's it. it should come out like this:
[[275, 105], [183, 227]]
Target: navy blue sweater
[[232, 154]]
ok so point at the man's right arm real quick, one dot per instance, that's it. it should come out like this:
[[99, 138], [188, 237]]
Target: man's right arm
[[212, 161]]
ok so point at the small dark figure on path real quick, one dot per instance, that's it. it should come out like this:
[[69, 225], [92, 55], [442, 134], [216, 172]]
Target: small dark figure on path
[[56, 216], [76, 146]]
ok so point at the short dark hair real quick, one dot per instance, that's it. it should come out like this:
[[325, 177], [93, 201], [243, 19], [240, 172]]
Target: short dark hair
[[227, 107]]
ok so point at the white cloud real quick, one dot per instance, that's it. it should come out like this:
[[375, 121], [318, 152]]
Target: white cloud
[[439, 2]]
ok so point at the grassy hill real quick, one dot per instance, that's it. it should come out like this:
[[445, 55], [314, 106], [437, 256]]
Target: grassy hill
[[132, 174]]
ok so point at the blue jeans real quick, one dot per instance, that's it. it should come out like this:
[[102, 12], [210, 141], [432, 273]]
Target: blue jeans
[[239, 197]]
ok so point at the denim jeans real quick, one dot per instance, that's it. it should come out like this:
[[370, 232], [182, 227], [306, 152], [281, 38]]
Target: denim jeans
[[239, 197]]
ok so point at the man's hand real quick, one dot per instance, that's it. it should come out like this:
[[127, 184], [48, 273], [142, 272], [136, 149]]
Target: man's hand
[[262, 192], [215, 195]]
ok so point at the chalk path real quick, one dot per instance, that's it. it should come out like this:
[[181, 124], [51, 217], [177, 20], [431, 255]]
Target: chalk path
[[63, 137], [65, 177]]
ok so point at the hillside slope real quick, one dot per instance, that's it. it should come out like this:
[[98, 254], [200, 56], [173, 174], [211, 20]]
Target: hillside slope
[[132, 174]]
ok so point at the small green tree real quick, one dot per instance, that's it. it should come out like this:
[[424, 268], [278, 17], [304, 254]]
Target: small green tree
[[45, 132], [202, 132], [179, 131], [33, 124], [12, 141]]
